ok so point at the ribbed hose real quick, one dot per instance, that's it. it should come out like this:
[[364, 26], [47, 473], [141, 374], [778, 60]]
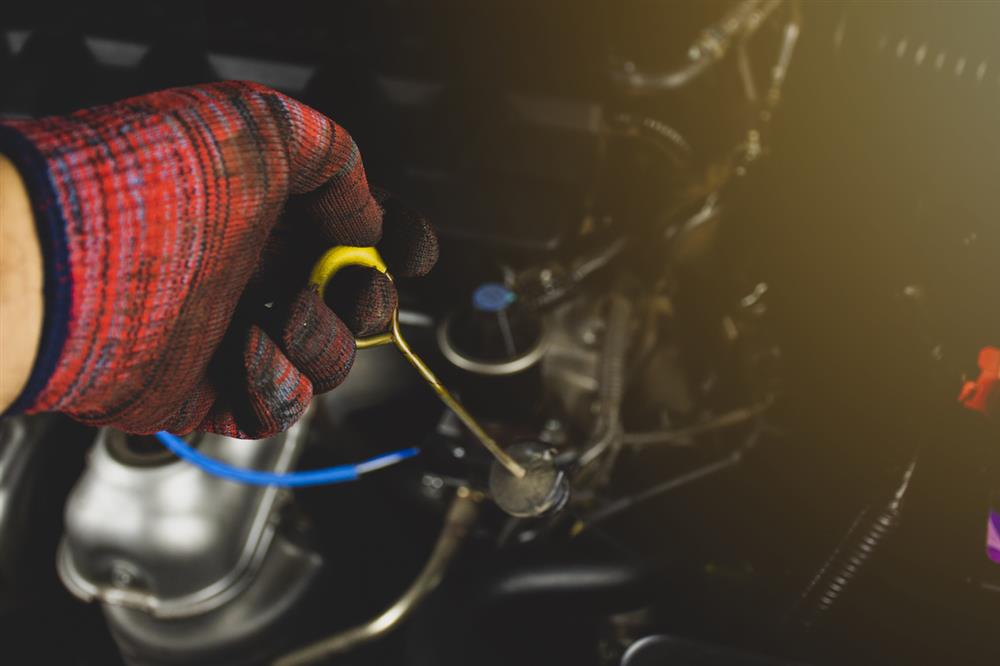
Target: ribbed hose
[[611, 380], [850, 557]]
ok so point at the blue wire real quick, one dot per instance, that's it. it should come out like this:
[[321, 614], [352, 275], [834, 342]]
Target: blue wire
[[317, 477]]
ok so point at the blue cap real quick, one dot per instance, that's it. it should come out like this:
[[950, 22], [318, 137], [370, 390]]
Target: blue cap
[[492, 297]]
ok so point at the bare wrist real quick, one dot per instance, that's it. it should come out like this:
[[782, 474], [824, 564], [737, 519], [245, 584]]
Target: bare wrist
[[21, 285]]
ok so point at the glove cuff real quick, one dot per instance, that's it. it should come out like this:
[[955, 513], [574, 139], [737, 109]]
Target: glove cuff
[[51, 227]]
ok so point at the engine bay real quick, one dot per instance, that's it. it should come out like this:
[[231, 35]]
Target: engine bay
[[713, 273]]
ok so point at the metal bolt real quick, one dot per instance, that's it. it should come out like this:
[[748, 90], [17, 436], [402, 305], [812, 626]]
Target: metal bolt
[[433, 482], [121, 576]]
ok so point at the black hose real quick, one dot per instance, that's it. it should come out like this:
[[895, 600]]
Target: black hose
[[598, 587]]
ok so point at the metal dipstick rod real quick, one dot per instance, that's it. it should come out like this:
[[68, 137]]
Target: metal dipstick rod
[[453, 404], [345, 255]]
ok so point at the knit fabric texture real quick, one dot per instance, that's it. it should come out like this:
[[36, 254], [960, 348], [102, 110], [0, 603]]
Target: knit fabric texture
[[161, 221]]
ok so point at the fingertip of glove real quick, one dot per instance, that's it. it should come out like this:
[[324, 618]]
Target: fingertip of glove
[[409, 244], [317, 341], [364, 299]]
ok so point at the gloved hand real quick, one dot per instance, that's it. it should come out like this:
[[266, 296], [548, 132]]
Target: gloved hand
[[158, 216]]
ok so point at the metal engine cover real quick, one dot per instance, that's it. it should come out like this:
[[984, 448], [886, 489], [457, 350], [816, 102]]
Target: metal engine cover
[[155, 534]]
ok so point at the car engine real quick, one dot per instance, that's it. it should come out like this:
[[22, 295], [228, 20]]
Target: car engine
[[713, 273]]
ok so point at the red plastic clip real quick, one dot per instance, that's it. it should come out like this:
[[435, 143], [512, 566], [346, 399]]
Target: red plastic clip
[[983, 394]]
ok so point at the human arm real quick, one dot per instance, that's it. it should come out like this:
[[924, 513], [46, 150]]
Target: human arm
[[21, 283], [176, 232]]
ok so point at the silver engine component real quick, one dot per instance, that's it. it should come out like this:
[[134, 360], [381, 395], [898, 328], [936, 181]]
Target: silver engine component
[[17, 448], [184, 563], [544, 488], [23, 456], [571, 366]]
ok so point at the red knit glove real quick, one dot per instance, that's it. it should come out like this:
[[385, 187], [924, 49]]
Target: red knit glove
[[158, 216]]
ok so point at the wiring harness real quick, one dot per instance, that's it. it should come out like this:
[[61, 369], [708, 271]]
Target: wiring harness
[[317, 477]]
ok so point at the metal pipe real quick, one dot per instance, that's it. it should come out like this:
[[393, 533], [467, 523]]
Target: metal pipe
[[710, 47], [459, 519], [683, 436]]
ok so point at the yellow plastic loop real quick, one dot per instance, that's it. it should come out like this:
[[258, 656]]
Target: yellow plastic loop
[[337, 258]]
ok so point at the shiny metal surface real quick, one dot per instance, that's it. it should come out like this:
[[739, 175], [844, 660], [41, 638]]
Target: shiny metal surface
[[571, 365], [16, 453], [23, 457], [544, 489], [170, 539], [512, 366], [242, 630]]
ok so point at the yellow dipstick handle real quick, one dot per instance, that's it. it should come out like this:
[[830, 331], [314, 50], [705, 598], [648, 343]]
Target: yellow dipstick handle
[[346, 255]]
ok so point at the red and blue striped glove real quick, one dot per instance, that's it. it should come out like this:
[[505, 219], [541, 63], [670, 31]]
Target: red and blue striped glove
[[177, 231]]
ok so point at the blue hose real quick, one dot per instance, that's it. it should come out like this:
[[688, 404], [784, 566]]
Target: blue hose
[[317, 477]]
